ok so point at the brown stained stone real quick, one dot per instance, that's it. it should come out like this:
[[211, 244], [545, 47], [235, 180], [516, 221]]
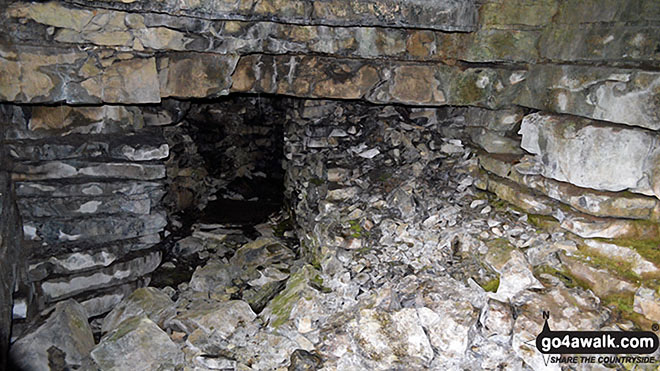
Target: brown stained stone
[[304, 76], [45, 117], [196, 75], [10, 79], [160, 38], [415, 85], [347, 83], [52, 14], [30, 80], [130, 81], [420, 44], [244, 77], [295, 9]]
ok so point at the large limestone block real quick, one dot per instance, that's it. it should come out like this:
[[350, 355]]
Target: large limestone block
[[137, 344], [445, 15], [592, 154], [115, 274], [127, 81], [83, 169], [597, 203], [402, 82], [618, 95], [196, 75], [65, 331], [41, 122], [601, 42], [147, 301]]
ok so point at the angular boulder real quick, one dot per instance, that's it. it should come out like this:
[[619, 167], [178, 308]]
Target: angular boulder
[[593, 154], [65, 333], [137, 344]]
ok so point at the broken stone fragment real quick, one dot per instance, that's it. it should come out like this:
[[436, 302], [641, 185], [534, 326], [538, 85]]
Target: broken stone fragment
[[647, 303], [138, 343], [147, 301], [65, 339], [392, 338]]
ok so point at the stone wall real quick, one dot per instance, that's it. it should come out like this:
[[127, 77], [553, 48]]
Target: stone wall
[[89, 183]]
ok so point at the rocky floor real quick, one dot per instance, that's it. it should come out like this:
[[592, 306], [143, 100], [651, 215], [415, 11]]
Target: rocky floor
[[460, 286]]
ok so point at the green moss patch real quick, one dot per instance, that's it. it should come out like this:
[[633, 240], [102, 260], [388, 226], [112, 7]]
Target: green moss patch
[[492, 285]]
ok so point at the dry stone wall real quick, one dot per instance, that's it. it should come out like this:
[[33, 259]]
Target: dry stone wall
[[88, 184]]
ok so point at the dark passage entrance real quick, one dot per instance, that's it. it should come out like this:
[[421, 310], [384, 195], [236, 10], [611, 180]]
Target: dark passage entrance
[[226, 176]]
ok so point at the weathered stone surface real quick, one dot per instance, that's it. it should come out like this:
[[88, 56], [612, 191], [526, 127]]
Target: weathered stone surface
[[515, 276], [93, 229], [597, 203], [130, 81], [593, 155], [497, 318], [318, 77], [304, 76], [166, 32], [618, 42], [601, 281], [583, 225], [80, 169], [494, 142], [102, 301], [65, 331], [115, 80], [593, 11], [647, 303], [220, 320], [278, 311], [117, 273], [147, 301], [513, 193], [517, 13], [501, 120], [11, 258], [76, 207], [635, 262], [446, 15], [625, 96], [141, 147], [87, 189], [26, 79], [392, 337], [142, 345], [73, 262], [48, 122], [445, 85], [196, 75]]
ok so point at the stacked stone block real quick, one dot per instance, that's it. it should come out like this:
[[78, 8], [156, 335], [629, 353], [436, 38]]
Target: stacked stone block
[[88, 182]]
